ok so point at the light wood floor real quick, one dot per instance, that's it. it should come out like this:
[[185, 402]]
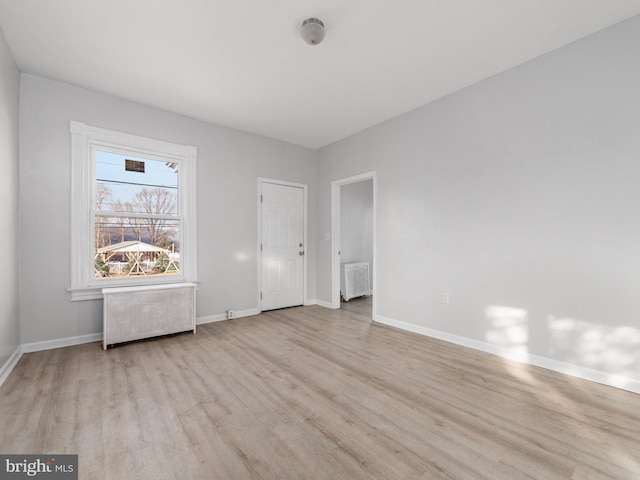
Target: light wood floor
[[360, 305], [311, 393]]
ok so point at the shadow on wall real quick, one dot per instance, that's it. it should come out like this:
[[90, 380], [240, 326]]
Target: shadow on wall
[[571, 341]]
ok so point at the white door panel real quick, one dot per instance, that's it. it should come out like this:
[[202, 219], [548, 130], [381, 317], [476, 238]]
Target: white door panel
[[282, 246]]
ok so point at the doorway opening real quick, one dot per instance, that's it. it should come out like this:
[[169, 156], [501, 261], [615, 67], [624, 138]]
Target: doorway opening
[[353, 255]]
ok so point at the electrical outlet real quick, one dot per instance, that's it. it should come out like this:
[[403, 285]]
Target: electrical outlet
[[230, 313], [445, 297]]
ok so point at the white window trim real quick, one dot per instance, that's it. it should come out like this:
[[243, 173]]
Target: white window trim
[[83, 139]]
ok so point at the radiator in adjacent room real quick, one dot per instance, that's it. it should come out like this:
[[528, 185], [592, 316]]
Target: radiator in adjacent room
[[132, 313], [354, 280]]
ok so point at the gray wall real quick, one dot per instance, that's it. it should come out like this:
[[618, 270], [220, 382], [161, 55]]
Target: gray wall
[[9, 161], [356, 224], [520, 197], [229, 163]]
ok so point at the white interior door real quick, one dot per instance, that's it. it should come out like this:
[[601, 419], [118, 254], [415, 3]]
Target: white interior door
[[282, 243]]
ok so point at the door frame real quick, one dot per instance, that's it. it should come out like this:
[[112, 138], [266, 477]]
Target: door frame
[[262, 180], [335, 236]]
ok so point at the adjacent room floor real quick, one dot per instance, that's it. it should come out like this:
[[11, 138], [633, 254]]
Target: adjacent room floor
[[359, 305], [312, 393]]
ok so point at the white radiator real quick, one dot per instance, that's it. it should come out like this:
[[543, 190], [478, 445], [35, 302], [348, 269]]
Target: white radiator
[[354, 280], [132, 313]]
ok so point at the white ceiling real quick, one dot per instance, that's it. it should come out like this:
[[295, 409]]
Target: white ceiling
[[242, 63]]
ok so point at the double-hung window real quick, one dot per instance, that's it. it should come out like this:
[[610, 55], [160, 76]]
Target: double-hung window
[[132, 209]]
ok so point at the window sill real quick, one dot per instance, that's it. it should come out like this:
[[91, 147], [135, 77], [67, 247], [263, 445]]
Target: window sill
[[95, 293]]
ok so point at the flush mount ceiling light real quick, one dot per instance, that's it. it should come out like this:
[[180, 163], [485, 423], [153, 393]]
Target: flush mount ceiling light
[[312, 31]]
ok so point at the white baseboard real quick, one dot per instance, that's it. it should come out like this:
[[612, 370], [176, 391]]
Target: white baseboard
[[97, 337], [320, 303], [8, 366], [223, 316], [61, 342], [211, 318], [578, 371]]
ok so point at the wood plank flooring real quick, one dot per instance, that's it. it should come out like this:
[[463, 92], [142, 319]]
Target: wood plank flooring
[[312, 393]]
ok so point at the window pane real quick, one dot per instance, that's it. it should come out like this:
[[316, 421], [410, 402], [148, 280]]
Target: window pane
[[135, 185], [127, 246]]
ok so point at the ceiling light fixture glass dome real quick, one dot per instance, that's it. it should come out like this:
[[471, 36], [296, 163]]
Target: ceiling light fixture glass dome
[[312, 31]]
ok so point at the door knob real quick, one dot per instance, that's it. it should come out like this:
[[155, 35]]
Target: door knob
[[301, 253]]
